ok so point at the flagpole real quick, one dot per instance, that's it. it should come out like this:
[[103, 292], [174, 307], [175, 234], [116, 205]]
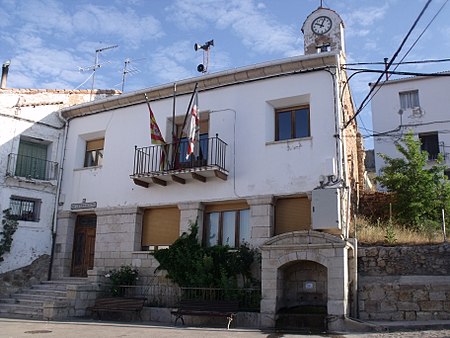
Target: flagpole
[[173, 108], [174, 137], [184, 122]]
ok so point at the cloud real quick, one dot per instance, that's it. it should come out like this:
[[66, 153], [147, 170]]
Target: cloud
[[167, 63], [248, 20], [130, 28]]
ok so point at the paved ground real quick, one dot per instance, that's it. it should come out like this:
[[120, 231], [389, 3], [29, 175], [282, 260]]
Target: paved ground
[[13, 328]]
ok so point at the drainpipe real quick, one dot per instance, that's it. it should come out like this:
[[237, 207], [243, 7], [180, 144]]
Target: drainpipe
[[58, 192], [5, 69]]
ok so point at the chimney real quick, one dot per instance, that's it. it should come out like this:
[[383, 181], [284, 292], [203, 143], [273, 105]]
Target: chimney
[[5, 69]]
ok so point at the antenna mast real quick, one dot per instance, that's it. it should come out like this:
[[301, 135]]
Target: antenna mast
[[97, 65], [128, 69]]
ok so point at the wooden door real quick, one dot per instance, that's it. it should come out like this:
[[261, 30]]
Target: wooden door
[[83, 245]]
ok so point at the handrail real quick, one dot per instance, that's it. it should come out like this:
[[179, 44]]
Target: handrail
[[164, 158], [31, 167]]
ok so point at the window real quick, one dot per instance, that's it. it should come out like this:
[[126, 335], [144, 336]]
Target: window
[[94, 153], [430, 144], [292, 214], [292, 123], [227, 227], [200, 156], [409, 99], [25, 209], [31, 160], [161, 227]]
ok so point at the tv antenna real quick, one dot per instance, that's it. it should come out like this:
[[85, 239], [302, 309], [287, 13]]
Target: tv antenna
[[129, 69], [96, 65], [203, 67]]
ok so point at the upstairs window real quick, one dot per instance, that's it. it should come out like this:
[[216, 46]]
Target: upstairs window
[[31, 160], [94, 153], [292, 123], [409, 99], [25, 209], [430, 144]]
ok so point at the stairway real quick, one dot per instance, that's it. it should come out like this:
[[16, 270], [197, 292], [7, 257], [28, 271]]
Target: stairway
[[29, 303]]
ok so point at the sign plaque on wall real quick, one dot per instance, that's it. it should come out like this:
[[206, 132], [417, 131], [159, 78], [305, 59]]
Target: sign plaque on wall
[[83, 205]]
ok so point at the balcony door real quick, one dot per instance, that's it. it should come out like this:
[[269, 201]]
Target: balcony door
[[31, 160], [83, 245]]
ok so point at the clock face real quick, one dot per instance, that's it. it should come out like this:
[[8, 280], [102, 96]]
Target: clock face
[[321, 25]]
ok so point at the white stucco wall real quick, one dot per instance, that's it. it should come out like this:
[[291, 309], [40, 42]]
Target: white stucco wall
[[31, 113], [434, 101], [242, 115]]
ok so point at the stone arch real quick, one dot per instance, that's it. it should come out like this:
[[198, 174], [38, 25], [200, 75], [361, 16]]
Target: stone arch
[[324, 249]]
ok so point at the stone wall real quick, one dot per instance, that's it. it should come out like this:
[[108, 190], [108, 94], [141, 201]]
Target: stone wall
[[404, 282], [13, 281]]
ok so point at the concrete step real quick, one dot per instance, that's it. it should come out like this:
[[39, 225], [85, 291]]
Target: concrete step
[[41, 292], [21, 311], [29, 303]]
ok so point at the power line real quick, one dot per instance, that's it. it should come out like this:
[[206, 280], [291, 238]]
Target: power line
[[397, 63], [391, 72], [366, 99]]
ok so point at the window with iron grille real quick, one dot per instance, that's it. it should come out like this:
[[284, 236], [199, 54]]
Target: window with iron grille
[[25, 209]]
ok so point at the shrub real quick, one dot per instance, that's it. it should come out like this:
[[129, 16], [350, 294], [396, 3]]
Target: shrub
[[126, 275]]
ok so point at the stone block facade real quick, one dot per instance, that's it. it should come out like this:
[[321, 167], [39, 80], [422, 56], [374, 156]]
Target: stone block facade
[[404, 282]]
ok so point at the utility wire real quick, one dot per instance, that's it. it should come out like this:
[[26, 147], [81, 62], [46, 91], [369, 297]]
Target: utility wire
[[365, 101], [420, 35], [396, 63], [391, 72]]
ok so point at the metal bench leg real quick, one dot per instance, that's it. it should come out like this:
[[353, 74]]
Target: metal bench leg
[[230, 319], [179, 317]]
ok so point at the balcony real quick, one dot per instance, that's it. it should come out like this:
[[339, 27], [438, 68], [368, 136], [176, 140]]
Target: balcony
[[160, 164], [31, 168]]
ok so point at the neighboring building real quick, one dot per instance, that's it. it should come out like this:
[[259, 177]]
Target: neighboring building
[[31, 144], [417, 104], [274, 168]]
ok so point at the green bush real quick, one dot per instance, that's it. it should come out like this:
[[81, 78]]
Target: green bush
[[126, 275], [189, 264]]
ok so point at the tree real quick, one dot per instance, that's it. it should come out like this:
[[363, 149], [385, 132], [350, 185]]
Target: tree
[[421, 191]]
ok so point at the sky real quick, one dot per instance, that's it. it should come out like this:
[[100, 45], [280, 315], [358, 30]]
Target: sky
[[52, 44]]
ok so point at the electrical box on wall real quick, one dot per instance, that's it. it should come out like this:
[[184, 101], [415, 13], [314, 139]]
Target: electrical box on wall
[[326, 206]]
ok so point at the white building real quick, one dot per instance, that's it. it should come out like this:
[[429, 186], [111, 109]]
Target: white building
[[31, 145], [275, 168], [417, 104]]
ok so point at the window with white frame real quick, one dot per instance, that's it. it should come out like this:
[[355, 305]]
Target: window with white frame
[[94, 153], [409, 99], [25, 209]]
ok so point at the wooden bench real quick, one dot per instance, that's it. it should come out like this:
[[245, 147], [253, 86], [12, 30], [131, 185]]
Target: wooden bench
[[118, 304], [215, 308]]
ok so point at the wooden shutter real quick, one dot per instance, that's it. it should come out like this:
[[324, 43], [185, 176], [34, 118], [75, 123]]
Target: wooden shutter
[[292, 214], [227, 206], [161, 226], [95, 144]]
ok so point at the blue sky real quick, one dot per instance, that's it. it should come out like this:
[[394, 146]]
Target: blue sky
[[48, 41]]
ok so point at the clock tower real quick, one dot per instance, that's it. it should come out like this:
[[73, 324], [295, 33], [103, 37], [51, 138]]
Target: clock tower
[[323, 31]]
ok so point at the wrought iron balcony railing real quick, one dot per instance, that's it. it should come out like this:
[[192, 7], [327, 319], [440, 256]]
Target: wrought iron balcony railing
[[162, 163], [31, 167]]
